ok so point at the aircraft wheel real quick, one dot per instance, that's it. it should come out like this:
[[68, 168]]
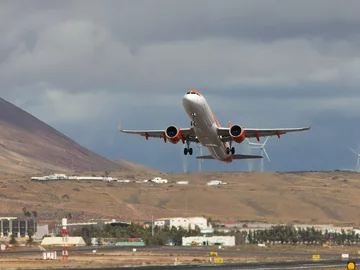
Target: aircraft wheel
[[233, 150], [185, 151], [190, 151], [227, 150]]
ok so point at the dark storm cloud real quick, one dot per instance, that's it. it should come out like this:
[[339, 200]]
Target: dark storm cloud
[[83, 66], [159, 21]]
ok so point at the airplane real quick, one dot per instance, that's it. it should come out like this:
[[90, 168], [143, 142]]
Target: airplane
[[206, 130]]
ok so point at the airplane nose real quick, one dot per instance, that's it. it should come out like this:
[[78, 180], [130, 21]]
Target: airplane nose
[[188, 100]]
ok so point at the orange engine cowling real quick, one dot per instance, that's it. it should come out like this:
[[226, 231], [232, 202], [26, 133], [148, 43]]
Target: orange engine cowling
[[237, 133], [173, 134]]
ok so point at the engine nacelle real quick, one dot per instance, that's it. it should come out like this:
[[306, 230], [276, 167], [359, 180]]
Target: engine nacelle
[[173, 134], [237, 133]]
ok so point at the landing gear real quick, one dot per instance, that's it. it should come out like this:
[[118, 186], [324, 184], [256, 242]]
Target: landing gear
[[230, 149], [188, 149]]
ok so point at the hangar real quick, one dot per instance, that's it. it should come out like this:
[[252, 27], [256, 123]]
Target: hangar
[[209, 241]]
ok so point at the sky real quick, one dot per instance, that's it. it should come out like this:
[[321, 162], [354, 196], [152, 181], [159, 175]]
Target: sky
[[84, 66]]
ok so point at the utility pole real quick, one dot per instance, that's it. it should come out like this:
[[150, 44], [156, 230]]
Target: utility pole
[[152, 226]]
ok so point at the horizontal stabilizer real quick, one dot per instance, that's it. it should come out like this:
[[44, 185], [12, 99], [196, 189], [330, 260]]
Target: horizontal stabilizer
[[234, 157]]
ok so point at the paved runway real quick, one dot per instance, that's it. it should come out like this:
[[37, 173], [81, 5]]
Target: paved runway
[[239, 266], [192, 251], [328, 260]]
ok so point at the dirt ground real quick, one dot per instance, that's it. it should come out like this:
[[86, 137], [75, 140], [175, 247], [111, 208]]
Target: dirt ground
[[307, 198]]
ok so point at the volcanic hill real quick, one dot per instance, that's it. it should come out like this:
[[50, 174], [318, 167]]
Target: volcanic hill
[[28, 145]]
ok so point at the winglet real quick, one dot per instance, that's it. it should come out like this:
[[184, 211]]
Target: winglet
[[119, 127]]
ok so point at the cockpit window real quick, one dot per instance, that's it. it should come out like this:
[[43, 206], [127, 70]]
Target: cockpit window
[[193, 93]]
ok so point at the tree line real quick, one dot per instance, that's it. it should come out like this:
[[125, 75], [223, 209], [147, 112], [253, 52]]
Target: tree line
[[291, 235], [160, 235], [163, 235]]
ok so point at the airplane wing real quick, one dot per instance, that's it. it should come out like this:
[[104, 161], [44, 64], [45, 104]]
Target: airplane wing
[[186, 132], [259, 132]]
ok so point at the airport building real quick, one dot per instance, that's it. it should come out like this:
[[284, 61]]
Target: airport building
[[19, 227], [209, 241], [75, 241], [185, 223]]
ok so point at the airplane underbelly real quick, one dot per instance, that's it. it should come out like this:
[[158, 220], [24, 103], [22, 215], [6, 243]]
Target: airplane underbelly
[[207, 136], [206, 130]]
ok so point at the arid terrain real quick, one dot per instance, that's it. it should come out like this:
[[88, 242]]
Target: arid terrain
[[305, 197]]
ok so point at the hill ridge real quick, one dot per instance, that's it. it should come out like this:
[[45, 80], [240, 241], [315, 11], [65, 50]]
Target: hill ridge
[[28, 144]]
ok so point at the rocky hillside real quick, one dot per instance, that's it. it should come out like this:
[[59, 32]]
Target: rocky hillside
[[28, 145]]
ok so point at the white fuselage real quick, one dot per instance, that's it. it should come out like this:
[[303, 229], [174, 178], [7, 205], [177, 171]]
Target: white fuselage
[[206, 126]]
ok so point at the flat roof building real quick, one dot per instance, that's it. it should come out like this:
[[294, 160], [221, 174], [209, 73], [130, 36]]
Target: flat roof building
[[19, 227]]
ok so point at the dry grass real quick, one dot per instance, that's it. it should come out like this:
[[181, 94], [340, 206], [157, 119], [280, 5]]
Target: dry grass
[[271, 197]]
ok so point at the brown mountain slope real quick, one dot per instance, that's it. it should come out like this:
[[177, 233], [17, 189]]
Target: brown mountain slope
[[324, 197], [135, 167], [29, 145]]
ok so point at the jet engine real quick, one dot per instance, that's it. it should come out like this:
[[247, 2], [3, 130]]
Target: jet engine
[[237, 133], [173, 134]]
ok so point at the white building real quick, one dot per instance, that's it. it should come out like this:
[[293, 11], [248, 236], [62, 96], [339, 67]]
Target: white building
[[182, 182], [78, 178], [215, 183], [58, 241], [158, 180], [185, 223], [209, 241], [42, 230], [124, 181]]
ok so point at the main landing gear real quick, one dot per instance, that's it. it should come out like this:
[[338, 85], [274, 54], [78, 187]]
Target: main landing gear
[[188, 149], [230, 150]]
